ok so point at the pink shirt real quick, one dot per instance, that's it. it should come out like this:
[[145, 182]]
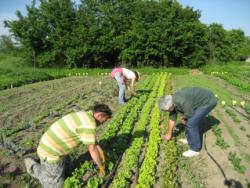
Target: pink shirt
[[115, 70]]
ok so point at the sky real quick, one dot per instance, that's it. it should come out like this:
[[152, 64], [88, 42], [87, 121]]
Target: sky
[[232, 14]]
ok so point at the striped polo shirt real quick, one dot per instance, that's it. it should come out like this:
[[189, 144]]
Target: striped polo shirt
[[66, 134]]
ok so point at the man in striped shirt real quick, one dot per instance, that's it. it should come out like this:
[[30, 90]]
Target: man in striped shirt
[[62, 138]]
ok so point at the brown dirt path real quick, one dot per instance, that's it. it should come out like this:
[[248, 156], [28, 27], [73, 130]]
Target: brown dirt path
[[24, 102], [203, 168]]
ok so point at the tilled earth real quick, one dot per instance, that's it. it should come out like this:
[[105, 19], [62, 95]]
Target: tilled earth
[[32, 108], [202, 171]]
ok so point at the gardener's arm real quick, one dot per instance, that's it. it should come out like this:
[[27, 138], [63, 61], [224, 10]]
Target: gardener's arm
[[102, 154], [93, 150], [171, 124], [132, 86]]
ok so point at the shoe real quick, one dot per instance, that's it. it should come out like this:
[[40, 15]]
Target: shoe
[[29, 163], [190, 153], [183, 140]]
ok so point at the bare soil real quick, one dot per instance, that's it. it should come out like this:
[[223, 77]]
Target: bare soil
[[230, 88], [54, 99], [195, 72], [40, 104], [202, 171]]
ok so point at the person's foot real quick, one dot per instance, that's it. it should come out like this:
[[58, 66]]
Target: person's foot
[[183, 140], [29, 163], [190, 153]]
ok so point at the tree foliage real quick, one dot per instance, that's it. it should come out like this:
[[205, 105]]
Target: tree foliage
[[104, 33], [6, 44]]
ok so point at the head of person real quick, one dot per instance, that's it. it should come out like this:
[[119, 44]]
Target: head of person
[[137, 76], [166, 103], [101, 113]]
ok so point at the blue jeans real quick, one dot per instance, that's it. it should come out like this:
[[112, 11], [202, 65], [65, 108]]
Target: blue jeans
[[192, 130], [120, 79]]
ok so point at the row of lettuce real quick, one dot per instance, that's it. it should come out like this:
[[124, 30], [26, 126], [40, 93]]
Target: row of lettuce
[[241, 80], [131, 141], [235, 73], [111, 142]]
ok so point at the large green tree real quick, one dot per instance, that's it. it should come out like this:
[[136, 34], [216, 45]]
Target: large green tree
[[45, 32], [29, 31], [237, 41], [106, 33]]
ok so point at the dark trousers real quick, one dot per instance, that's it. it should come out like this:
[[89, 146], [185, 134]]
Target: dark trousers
[[192, 128]]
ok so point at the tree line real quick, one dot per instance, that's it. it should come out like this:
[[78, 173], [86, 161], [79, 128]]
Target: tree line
[[134, 33]]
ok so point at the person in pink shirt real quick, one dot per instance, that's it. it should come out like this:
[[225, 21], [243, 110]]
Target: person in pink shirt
[[122, 75]]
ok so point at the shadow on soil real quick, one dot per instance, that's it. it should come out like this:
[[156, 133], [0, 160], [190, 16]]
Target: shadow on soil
[[233, 183], [206, 125]]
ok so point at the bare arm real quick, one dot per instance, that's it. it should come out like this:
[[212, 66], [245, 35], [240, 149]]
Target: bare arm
[[93, 150], [171, 125], [132, 85], [101, 153]]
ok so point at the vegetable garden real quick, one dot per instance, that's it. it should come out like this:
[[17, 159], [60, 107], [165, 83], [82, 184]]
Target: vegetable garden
[[59, 63], [137, 155]]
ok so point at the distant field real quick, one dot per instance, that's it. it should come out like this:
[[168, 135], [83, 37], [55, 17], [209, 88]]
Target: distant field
[[14, 73], [236, 73]]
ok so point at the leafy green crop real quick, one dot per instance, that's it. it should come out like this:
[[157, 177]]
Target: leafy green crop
[[219, 139], [147, 170], [116, 137], [230, 78], [236, 163], [130, 160], [233, 115]]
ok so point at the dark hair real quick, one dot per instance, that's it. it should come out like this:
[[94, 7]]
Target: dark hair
[[136, 75], [103, 108]]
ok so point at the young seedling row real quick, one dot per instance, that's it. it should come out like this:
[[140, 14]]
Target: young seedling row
[[124, 138]]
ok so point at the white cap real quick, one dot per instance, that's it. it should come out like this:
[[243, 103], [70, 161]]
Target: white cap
[[165, 102]]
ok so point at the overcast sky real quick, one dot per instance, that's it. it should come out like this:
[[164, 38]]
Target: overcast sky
[[232, 14]]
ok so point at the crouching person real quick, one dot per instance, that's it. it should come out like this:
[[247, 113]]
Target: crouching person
[[194, 103], [122, 75], [61, 138]]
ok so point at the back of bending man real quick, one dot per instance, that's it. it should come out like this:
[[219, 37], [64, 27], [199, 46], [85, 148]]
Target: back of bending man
[[194, 103], [122, 75], [63, 136]]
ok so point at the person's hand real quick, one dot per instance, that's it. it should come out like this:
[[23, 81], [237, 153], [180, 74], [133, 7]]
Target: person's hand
[[184, 120], [101, 172], [133, 93], [103, 156], [168, 137]]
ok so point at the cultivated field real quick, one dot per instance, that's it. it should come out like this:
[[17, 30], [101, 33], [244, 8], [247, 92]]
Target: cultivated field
[[138, 157]]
